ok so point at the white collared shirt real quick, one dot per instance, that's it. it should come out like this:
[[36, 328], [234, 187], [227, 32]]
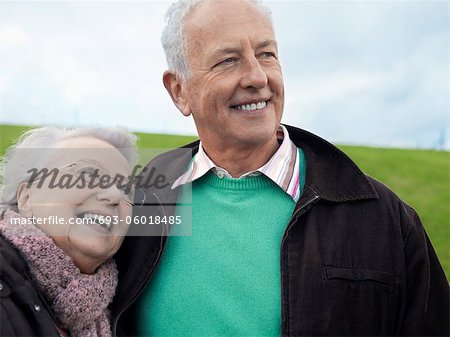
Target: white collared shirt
[[283, 168]]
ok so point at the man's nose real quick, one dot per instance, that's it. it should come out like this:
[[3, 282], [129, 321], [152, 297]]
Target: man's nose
[[253, 74]]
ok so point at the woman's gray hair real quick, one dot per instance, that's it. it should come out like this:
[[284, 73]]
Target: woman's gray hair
[[173, 40], [24, 155]]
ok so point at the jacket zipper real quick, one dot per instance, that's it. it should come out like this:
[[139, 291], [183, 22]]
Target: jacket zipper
[[114, 328], [295, 215]]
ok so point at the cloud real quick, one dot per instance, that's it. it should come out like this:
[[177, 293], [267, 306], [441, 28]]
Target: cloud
[[368, 72], [12, 37]]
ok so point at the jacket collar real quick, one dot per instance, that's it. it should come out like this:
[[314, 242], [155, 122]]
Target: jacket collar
[[329, 172]]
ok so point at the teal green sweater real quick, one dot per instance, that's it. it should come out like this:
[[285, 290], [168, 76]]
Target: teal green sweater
[[224, 279]]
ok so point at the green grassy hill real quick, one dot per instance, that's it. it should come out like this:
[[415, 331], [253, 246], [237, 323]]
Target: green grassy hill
[[10, 133], [420, 177]]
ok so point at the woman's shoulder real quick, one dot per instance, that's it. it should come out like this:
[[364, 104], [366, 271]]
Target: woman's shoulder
[[13, 265], [13, 268], [22, 310]]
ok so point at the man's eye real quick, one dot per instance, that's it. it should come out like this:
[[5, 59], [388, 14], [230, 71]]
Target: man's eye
[[230, 59], [227, 61], [267, 54]]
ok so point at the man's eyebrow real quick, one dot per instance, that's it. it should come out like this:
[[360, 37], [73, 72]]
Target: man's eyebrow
[[223, 51], [266, 43], [235, 50]]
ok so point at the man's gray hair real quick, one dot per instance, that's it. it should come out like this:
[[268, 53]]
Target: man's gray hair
[[173, 40], [26, 153]]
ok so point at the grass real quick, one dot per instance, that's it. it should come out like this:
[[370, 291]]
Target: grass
[[9, 134], [154, 140], [419, 177]]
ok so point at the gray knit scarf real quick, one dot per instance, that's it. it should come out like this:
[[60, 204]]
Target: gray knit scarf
[[78, 300]]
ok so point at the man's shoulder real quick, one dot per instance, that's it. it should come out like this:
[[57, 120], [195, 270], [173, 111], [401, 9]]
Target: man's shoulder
[[329, 171], [174, 153], [346, 176], [389, 198], [383, 190], [171, 164], [180, 154]]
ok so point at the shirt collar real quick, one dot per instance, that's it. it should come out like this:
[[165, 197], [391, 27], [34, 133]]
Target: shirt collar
[[283, 168]]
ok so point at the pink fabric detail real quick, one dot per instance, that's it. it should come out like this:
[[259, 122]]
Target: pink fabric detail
[[282, 168], [78, 300]]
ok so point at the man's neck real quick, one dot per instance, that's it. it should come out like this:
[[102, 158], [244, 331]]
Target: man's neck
[[240, 160]]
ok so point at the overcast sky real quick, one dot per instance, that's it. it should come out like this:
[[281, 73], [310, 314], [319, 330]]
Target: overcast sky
[[356, 72]]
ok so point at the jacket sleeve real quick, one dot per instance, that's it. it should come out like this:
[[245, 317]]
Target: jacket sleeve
[[8, 313], [426, 296]]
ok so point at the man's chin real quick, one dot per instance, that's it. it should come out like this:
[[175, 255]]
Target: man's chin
[[257, 136]]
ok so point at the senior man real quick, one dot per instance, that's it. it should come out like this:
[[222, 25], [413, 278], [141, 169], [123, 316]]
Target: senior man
[[288, 236]]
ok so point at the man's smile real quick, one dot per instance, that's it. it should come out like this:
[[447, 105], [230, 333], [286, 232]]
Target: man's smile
[[251, 106]]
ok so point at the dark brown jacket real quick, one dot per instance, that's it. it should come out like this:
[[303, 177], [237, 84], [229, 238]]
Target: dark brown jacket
[[355, 259]]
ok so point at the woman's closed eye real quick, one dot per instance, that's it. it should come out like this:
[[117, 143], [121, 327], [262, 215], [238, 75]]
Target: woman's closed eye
[[89, 172]]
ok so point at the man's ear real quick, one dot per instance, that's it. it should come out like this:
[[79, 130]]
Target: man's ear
[[23, 201], [173, 85]]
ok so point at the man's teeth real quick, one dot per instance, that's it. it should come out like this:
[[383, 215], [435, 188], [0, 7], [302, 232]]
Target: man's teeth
[[251, 107], [98, 219]]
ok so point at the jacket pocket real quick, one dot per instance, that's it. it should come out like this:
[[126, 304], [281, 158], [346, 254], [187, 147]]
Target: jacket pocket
[[359, 301], [359, 275]]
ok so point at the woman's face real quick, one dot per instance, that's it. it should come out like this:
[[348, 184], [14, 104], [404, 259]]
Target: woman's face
[[80, 206]]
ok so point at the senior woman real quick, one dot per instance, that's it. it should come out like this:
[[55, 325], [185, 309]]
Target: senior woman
[[65, 204]]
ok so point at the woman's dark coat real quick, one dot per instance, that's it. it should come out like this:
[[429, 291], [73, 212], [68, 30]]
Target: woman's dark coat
[[23, 311]]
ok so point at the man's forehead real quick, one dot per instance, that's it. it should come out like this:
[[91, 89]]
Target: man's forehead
[[218, 26], [207, 13]]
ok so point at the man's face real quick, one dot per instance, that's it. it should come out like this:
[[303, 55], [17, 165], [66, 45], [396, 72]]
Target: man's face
[[235, 92]]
